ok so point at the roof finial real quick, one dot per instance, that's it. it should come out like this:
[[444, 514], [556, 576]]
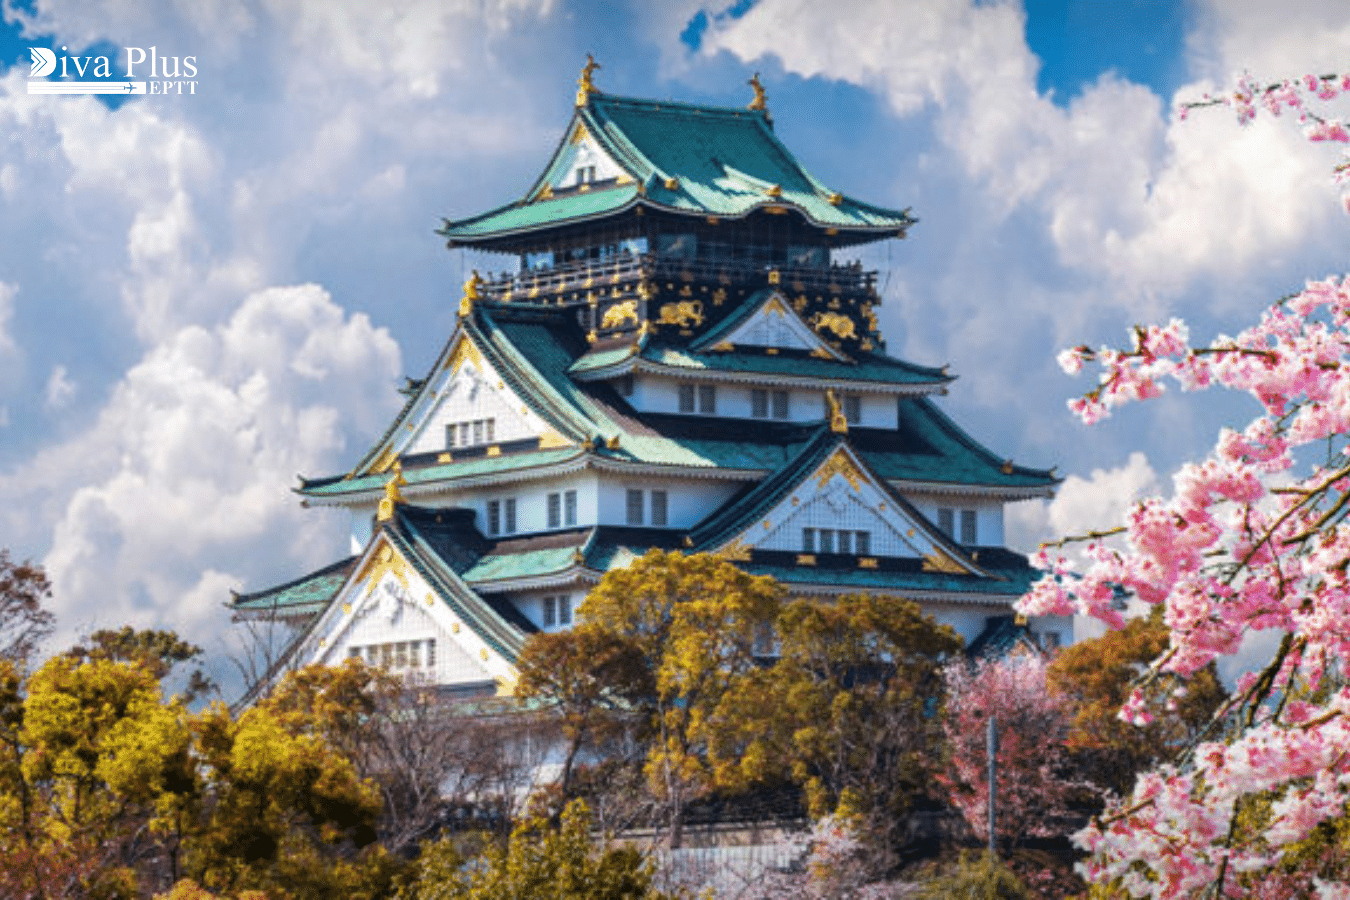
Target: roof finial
[[584, 86], [471, 294], [392, 496], [838, 421], [760, 101]]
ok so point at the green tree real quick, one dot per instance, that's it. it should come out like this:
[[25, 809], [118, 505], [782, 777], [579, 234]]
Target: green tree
[[1097, 677], [688, 625], [852, 709], [539, 861], [108, 790], [594, 679]]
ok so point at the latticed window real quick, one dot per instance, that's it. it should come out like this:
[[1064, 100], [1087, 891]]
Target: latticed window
[[759, 403], [968, 529], [687, 398], [780, 404], [634, 507], [569, 507], [659, 504], [707, 399], [555, 510]]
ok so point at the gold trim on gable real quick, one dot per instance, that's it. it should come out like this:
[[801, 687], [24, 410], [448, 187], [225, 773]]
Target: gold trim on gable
[[552, 440], [736, 551], [938, 561], [840, 463], [386, 561], [465, 351]]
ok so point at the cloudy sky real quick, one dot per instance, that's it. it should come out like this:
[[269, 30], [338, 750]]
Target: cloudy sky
[[202, 295]]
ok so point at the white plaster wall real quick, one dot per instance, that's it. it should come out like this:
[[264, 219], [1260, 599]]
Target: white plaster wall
[[839, 508], [585, 153], [688, 501], [988, 514], [467, 396]]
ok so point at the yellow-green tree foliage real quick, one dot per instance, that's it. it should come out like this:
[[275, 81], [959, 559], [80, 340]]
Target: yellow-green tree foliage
[[852, 709], [539, 862], [108, 790], [1097, 677], [687, 626]]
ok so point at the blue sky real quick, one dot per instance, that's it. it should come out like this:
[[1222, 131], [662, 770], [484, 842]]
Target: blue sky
[[202, 296]]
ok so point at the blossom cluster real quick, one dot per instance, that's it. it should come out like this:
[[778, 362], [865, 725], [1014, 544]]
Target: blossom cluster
[[1298, 96], [1245, 544]]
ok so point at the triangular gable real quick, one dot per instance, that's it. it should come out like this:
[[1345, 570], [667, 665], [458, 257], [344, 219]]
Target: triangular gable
[[386, 607], [464, 390], [579, 161], [834, 502], [771, 323]]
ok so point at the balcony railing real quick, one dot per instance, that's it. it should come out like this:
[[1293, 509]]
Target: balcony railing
[[583, 275]]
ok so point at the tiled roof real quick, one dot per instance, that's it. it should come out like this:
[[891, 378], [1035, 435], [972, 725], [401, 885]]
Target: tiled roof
[[307, 594], [683, 158]]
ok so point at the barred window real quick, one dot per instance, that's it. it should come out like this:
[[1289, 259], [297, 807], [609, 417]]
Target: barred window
[[687, 398], [780, 404], [494, 517], [659, 504], [707, 399], [808, 540], [569, 507], [968, 530], [634, 507], [510, 515], [759, 403], [947, 521], [554, 510]]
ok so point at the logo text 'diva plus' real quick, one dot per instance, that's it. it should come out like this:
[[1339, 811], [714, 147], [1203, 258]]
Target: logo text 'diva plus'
[[170, 74]]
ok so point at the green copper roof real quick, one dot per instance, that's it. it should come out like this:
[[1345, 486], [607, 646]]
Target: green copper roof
[[868, 367], [681, 158], [467, 468], [307, 594], [927, 446]]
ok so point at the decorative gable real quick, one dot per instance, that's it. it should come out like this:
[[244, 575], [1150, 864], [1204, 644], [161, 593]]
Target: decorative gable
[[389, 616], [841, 508], [581, 161], [468, 404], [773, 323]]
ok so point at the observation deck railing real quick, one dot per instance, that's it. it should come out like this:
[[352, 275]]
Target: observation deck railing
[[582, 275]]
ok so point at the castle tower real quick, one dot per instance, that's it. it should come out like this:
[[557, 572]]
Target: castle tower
[[680, 356]]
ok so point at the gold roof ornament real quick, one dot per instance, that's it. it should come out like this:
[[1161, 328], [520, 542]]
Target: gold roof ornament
[[471, 294], [584, 85], [760, 103], [838, 421], [392, 496]]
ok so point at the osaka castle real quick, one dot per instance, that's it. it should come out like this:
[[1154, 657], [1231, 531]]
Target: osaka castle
[[683, 355]]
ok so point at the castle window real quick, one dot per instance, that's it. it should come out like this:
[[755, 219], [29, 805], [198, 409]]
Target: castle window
[[759, 403], [947, 521], [780, 404], [585, 174], [862, 541], [686, 398], [634, 507], [501, 516], [469, 434], [845, 541], [707, 399], [968, 531], [557, 611], [659, 505], [826, 540], [852, 404], [555, 510], [569, 507], [808, 540]]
